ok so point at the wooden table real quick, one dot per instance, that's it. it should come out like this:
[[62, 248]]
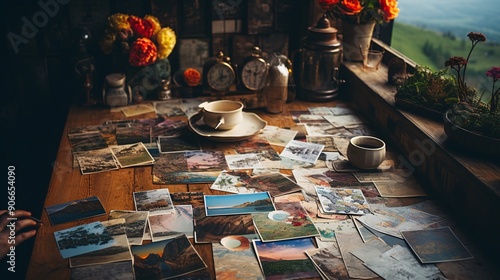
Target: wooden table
[[114, 188]]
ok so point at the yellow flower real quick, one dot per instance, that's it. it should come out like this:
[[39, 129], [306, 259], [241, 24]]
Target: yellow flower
[[119, 22], [156, 23], [166, 41]]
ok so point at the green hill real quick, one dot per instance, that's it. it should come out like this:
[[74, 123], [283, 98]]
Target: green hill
[[432, 49]]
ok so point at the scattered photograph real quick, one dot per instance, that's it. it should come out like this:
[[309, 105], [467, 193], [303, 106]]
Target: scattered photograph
[[213, 229], [322, 129], [276, 184], [342, 201], [302, 151], [155, 201], [134, 226], [178, 143], [83, 239], [232, 182], [243, 161], [286, 259], [75, 210], [321, 111], [329, 262], [166, 259], [342, 110], [132, 155], [167, 127], [138, 109], [436, 245], [289, 221], [117, 270], [278, 136], [96, 161], [327, 141], [296, 114], [345, 120], [168, 108], [189, 167], [133, 133], [183, 198], [237, 204], [308, 118], [179, 222], [86, 141], [118, 252], [234, 258]]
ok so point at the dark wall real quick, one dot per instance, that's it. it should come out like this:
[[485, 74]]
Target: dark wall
[[41, 43]]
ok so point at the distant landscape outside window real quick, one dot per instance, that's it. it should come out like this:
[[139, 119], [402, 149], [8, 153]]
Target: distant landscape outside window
[[431, 31]]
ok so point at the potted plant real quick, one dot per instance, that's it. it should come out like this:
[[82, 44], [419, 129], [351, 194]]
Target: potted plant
[[426, 92], [472, 122]]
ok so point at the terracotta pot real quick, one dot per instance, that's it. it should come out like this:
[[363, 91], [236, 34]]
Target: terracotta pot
[[356, 37], [469, 140]]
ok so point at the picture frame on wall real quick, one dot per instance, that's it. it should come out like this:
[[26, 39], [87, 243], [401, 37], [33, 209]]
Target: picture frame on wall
[[193, 53], [260, 14], [226, 16]]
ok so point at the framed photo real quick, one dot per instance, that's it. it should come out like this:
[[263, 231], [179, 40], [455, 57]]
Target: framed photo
[[260, 17], [193, 53], [226, 16], [166, 12]]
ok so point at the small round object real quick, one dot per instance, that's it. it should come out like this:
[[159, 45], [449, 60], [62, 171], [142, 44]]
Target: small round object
[[366, 152], [253, 71], [220, 76]]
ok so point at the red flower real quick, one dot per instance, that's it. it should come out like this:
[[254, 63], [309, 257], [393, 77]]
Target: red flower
[[327, 4], [351, 7], [141, 27], [494, 72], [142, 52]]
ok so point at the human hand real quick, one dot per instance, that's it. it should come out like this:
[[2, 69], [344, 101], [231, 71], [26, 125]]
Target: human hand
[[14, 223]]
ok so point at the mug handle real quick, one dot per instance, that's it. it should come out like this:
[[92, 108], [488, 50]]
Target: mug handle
[[221, 121]]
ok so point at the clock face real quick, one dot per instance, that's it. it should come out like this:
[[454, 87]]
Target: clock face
[[220, 77], [253, 74]]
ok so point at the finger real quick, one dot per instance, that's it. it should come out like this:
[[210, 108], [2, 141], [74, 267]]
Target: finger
[[20, 238], [6, 217], [21, 224]]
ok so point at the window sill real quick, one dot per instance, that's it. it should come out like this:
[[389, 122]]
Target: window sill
[[468, 184]]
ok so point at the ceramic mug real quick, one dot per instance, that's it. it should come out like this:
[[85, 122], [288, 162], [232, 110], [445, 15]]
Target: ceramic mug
[[222, 114], [366, 152]]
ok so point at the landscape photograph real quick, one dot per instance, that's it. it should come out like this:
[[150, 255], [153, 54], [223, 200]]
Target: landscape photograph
[[236, 204], [95, 161], [133, 134], [180, 221], [286, 259], [119, 270], [75, 210], [166, 259], [83, 239], [86, 141], [132, 155], [157, 201], [135, 223]]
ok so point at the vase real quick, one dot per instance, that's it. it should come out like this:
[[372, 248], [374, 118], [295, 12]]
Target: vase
[[471, 141], [145, 81], [356, 38]]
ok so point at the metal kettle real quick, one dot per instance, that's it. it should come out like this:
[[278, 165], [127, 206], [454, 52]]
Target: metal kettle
[[316, 64]]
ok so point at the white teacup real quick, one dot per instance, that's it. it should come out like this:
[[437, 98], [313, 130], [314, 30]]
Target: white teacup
[[222, 114], [366, 152]]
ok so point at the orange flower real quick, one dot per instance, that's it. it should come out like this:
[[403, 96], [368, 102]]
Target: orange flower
[[192, 77], [142, 27], [351, 7], [327, 4], [142, 52], [389, 8]]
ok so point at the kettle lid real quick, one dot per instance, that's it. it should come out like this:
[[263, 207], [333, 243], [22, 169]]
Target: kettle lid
[[322, 35]]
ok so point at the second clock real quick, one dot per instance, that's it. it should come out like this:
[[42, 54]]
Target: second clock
[[252, 71]]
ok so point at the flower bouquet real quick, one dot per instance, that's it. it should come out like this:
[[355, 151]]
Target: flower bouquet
[[141, 48], [356, 19]]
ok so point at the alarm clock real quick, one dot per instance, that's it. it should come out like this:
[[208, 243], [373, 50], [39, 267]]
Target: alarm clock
[[218, 74], [253, 71]]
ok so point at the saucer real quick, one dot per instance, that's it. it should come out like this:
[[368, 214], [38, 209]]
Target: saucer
[[251, 125]]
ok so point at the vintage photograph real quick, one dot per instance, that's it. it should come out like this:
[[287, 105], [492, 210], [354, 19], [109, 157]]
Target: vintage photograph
[[243, 161], [135, 223], [132, 155], [166, 259], [237, 204], [133, 133], [180, 143], [118, 270], [84, 238], [86, 141], [278, 136], [75, 210], [342, 201], [212, 229], [232, 182], [120, 251], [165, 226], [235, 256], [155, 201], [95, 161], [302, 151], [289, 221]]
